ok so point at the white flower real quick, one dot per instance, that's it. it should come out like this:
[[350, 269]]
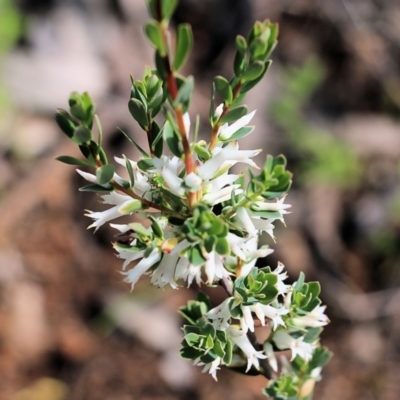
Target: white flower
[[226, 131], [267, 311], [133, 275], [282, 288], [269, 351], [221, 195], [227, 156], [123, 205], [221, 315], [277, 206], [240, 339], [165, 272], [193, 182], [214, 268], [218, 110], [93, 179], [245, 221], [169, 169], [313, 319], [298, 346], [211, 367], [128, 255]]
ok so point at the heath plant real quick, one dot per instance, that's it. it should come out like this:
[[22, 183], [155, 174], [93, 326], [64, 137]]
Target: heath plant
[[196, 223]]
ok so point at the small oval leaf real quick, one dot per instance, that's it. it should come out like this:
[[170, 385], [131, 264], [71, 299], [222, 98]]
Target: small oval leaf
[[105, 173]]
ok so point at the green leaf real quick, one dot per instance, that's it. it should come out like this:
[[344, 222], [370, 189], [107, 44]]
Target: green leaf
[[184, 44], [105, 173], [241, 44], [82, 135], [312, 334], [65, 122], [228, 352], [168, 8], [201, 152], [94, 187], [191, 339], [142, 152], [157, 143], [140, 229], [241, 133], [253, 71], [73, 161], [224, 89], [250, 84], [153, 31], [195, 256], [156, 228], [99, 129], [173, 140], [129, 168], [156, 101], [222, 247], [300, 282], [234, 114], [138, 111], [239, 64], [184, 92], [212, 106], [145, 164], [131, 207]]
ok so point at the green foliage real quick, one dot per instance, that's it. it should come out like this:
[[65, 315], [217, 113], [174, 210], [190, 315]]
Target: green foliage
[[184, 45], [259, 286], [324, 158]]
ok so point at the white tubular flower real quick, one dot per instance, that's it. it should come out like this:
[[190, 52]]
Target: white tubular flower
[[133, 275], [193, 182], [211, 367], [282, 288], [93, 179], [264, 225], [313, 319], [165, 272], [128, 255], [141, 186], [277, 206], [220, 315], [269, 351], [85, 175], [247, 321], [221, 195], [266, 311], [245, 221], [298, 346], [186, 123], [187, 272], [227, 156], [236, 244], [123, 205], [214, 268], [226, 131], [218, 110], [169, 169], [240, 339]]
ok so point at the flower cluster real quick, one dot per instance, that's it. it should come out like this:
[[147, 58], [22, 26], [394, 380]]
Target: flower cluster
[[195, 222]]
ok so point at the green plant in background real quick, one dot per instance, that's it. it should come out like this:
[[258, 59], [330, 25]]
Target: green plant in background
[[198, 223], [10, 28], [324, 158]]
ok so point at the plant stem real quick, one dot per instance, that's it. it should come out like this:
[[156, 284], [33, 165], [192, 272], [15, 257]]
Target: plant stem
[[214, 134], [173, 91]]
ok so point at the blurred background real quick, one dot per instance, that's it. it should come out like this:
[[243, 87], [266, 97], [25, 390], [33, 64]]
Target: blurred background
[[69, 328]]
